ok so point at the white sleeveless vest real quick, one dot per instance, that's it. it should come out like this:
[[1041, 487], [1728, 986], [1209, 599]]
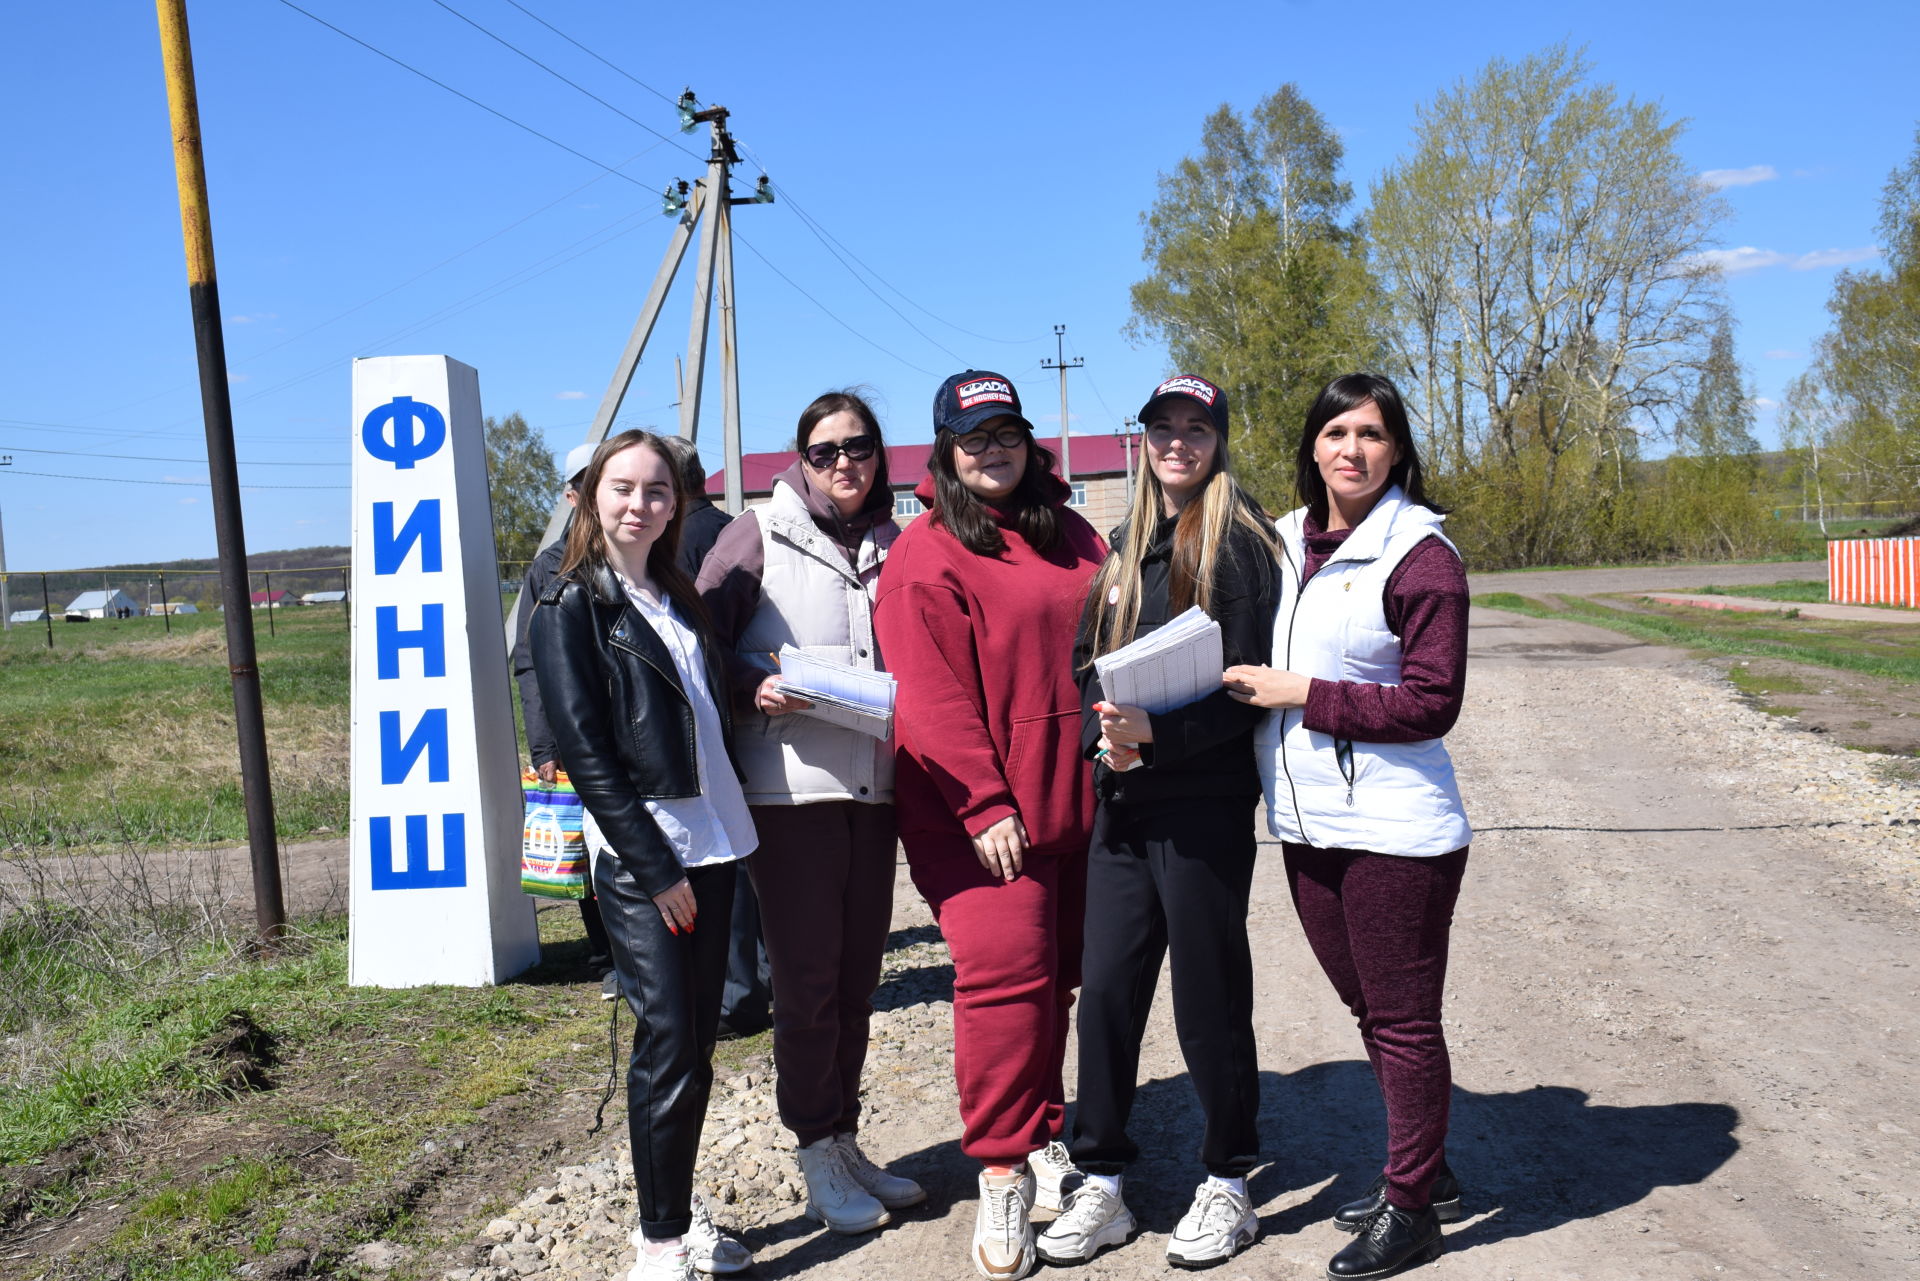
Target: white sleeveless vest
[[1388, 798], [812, 599]]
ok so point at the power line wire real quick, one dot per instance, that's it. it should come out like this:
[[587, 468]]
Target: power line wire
[[502, 40], [129, 480], [146, 458], [492, 111], [674, 102], [823, 307]]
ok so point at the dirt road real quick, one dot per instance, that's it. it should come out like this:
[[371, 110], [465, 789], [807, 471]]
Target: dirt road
[[1681, 1012]]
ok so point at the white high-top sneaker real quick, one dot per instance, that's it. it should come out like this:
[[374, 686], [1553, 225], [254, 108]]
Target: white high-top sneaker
[[1093, 1220], [1003, 1248], [1218, 1225], [1055, 1176], [890, 1190], [834, 1195]]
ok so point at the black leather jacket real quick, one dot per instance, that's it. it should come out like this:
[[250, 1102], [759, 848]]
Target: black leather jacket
[[622, 721]]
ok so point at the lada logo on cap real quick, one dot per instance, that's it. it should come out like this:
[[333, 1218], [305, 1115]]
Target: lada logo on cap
[[982, 391], [1185, 385]]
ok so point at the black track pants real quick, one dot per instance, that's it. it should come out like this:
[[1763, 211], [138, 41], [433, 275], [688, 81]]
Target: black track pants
[[672, 983], [1169, 881]]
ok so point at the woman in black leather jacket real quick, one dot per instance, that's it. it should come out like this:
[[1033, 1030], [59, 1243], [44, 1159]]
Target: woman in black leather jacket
[[628, 675]]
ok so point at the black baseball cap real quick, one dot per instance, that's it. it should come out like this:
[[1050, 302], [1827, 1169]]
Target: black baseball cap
[[1195, 388], [968, 401]]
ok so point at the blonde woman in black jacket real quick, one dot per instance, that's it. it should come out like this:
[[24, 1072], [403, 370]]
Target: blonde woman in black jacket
[[1173, 840], [633, 690]]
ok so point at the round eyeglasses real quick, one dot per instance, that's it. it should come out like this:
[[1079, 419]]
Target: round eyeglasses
[[1005, 437]]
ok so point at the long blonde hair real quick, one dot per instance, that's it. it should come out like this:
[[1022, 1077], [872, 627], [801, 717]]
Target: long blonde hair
[[1199, 541]]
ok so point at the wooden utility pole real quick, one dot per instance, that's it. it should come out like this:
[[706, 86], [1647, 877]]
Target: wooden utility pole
[[230, 535], [1063, 365]]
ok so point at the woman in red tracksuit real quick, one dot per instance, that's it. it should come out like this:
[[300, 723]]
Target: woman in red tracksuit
[[975, 615]]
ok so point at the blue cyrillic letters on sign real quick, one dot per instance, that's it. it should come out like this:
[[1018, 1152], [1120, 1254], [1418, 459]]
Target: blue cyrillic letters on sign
[[422, 527], [412, 872], [429, 736], [430, 638]]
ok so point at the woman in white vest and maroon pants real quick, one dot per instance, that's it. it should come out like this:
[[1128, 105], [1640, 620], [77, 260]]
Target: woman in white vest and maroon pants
[[1368, 670], [800, 571]]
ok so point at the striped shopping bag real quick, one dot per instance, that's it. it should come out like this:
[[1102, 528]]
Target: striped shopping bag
[[553, 853]]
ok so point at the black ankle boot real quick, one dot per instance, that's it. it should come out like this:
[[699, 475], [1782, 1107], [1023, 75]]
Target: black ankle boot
[[1444, 1197], [1393, 1239]]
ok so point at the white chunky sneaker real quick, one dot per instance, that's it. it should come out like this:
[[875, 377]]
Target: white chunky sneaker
[[711, 1250], [834, 1195], [1093, 1220], [1002, 1234], [1055, 1176], [1219, 1225], [890, 1190], [670, 1265]]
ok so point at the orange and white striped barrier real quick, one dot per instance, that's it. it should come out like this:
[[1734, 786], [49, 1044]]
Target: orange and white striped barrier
[[1874, 571]]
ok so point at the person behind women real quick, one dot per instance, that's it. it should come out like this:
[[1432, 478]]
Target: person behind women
[[976, 616], [800, 571], [1171, 866], [627, 672], [1369, 666]]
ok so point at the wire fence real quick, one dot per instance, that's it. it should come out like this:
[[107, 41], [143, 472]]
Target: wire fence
[[121, 593]]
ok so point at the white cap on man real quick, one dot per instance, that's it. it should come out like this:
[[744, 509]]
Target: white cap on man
[[577, 459]]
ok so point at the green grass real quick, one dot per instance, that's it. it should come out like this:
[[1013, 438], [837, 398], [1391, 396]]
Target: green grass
[[1762, 688], [123, 733], [1877, 649]]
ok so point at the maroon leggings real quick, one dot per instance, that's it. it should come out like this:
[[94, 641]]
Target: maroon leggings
[[1378, 925]]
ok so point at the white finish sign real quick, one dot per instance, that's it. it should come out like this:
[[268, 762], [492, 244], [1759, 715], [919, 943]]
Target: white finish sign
[[437, 806]]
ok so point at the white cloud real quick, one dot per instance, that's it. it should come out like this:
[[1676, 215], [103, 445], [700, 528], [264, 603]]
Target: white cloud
[[1718, 178], [237, 378], [1745, 258], [570, 395], [1765, 405], [189, 500], [256, 318], [1835, 258], [1781, 353]]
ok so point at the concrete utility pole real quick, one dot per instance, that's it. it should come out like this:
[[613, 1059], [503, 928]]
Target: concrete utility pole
[[1125, 433], [196, 226], [1063, 365], [711, 198], [6, 605]]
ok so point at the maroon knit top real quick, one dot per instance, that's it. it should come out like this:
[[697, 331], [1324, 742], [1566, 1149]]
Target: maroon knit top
[[1426, 607]]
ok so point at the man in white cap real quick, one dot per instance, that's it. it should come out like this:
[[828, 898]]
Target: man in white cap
[[540, 576]]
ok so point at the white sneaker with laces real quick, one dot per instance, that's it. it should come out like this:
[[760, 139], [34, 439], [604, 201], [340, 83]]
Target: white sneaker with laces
[[1219, 1225], [834, 1195], [1003, 1247], [890, 1190], [1093, 1220], [668, 1265], [1055, 1176], [713, 1251]]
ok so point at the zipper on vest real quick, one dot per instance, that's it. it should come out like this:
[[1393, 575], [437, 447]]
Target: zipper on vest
[[1299, 589], [1343, 757]]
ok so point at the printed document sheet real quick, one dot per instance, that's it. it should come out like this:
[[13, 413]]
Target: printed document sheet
[[849, 697], [1177, 664]]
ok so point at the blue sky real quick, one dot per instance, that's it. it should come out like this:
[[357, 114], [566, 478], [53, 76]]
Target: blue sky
[[988, 162]]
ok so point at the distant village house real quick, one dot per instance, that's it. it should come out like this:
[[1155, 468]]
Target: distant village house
[[103, 604]]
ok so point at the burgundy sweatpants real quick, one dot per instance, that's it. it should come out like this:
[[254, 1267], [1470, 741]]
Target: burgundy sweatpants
[[824, 875], [1016, 961], [1378, 924]]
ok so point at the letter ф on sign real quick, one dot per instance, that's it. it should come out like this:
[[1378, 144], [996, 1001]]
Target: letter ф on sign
[[437, 805]]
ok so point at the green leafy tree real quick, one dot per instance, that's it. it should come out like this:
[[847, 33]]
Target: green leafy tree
[[1543, 247], [523, 484], [1866, 371], [1719, 420], [1256, 281]]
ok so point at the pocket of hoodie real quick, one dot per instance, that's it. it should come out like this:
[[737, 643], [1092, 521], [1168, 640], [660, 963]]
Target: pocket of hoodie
[[1048, 778]]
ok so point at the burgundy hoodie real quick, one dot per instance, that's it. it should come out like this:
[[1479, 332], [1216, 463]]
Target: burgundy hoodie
[[987, 716]]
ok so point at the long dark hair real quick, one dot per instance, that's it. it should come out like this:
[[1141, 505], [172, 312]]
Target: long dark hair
[[587, 542], [847, 400], [1031, 504], [1350, 391]]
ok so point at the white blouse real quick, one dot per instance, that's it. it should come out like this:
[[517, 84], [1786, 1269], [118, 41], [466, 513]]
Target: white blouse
[[715, 826]]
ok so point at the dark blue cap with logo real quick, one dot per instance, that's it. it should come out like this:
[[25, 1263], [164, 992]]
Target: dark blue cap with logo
[[1195, 388], [969, 401]]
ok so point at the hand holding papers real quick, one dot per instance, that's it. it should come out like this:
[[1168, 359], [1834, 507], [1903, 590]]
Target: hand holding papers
[[849, 697], [1180, 663]]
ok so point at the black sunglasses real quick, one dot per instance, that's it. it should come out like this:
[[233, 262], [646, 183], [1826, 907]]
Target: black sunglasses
[[1006, 437], [825, 454]]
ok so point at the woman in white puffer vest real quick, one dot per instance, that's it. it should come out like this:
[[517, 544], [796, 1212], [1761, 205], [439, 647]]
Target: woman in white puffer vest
[[801, 571], [1368, 670]]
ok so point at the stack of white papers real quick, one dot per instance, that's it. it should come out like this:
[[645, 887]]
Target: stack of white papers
[[1177, 664], [842, 695]]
